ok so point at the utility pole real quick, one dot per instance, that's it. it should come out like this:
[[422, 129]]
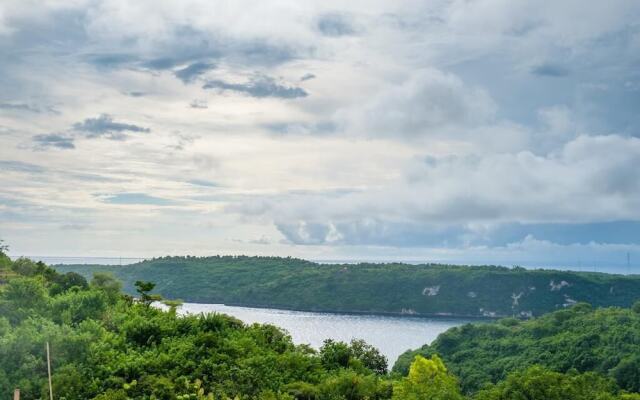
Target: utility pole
[[16, 394], [49, 372]]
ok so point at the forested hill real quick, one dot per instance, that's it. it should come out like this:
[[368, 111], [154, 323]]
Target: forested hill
[[581, 338], [106, 346], [429, 289]]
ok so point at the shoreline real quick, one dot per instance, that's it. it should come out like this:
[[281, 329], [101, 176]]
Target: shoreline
[[355, 312]]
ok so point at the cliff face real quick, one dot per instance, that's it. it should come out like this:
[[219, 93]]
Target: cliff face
[[485, 291]]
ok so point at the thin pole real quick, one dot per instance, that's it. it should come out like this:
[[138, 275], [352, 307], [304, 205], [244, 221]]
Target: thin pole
[[16, 394], [49, 371], [628, 263]]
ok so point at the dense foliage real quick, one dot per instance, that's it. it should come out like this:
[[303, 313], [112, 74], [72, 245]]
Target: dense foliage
[[427, 379], [537, 383], [109, 346], [580, 338], [381, 288]]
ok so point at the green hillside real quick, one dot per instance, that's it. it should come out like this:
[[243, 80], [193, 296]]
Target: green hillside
[[108, 346], [580, 339], [485, 291], [5, 268]]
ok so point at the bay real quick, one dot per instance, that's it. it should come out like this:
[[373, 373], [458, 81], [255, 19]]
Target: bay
[[392, 335]]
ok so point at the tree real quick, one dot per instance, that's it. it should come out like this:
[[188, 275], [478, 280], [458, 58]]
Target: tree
[[107, 283], [72, 279], [428, 379], [173, 305], [336, 355], [25, 267], [21, 297], [196, 392], [538, 383], [627, 373], [143, 288], [370, 357], [347, 384], [5, 261]]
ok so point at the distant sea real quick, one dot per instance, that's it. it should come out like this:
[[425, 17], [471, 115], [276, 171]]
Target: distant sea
[[610, 267], [55, 260]]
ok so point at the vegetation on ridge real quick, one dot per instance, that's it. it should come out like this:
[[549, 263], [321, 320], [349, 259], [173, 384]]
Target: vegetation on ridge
[[580, 339], [429, 289], [110, 346]]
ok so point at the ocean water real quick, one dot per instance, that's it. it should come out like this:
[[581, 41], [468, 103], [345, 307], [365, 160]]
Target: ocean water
[[391, 335]]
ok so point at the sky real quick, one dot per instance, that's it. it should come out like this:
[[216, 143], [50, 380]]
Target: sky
[[467, 131]]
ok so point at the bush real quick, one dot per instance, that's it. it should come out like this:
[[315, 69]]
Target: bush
[[538, 383]]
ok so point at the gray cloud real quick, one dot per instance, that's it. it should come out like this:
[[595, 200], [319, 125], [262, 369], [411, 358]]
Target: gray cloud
[[27, 107], [551, 70], [19, 166], [135, 199], [262, 241], [259, 86], [261, 52], [373, 232], [439, 78], [110, 60], [53, 140], [307, 76], [301, 128], [162, 63], [202, 182], [75, 227], [457, 201], [200, 104], [192, 71], [428, 103], [135, 94], [19, 106], [306, 233], [335, 24], [88, 177], [105, 126], [377, 232], [4, 131], [182, 141], [197, 48]]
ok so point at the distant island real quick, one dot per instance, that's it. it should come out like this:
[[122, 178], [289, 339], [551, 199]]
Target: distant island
[[390, 288]]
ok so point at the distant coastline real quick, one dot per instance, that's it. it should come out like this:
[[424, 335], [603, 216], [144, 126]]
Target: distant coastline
[[356, 312], [607, 267], [426, 290]]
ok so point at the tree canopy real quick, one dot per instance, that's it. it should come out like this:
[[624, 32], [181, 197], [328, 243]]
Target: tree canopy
[[106, 345], [429, 289], [580, 338], [428, 379]]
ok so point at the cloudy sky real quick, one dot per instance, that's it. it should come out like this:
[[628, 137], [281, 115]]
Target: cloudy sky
[[466, 131]]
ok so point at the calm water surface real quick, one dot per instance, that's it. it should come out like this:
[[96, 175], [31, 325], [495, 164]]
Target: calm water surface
[[391, 335]]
